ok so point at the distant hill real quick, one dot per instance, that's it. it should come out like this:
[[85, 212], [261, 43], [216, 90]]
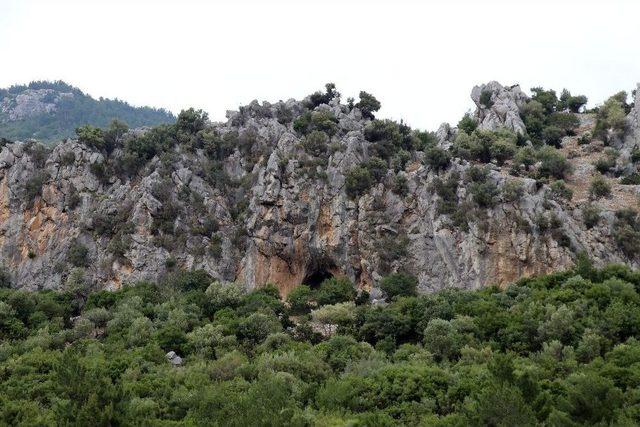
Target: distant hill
[[51, 111]]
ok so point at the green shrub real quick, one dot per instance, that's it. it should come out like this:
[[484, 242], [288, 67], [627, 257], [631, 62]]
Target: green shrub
[[566, 122], [608, 162], [33, 186], [611, 117], [424, 140], [114, 133], [585, 138], [591, 215], [78, 254], [484, 194], [447, 191], [215, 246], [315, 143], [467, 124], [91, 136], [485, 98], [99, 169], [387, 138], [400, 159], [547, 98], [437, 158], [324, 121], [191, 121], [335, 290], [631, 179], [533, 115], [477, 174], [553, 163], [302, 123], [526, 157], [318, 98], [358, 181], [377, 168], [575, 103], [391, 248], [400, 185], [68, 158], [485, 146], [300, 299], [142, 148], [119, 245], [599, 187], [512, 191], [560, 191], [399, 284], [502, 150], [368, 105], [552, 135], [189, 280]]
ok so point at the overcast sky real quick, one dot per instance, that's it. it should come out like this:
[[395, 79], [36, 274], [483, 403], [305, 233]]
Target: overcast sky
[[420, 59]]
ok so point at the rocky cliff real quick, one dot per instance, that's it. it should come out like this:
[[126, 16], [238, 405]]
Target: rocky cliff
[[298, 191]]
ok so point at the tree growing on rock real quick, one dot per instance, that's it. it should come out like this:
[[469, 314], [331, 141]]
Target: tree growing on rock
[[368, 105]]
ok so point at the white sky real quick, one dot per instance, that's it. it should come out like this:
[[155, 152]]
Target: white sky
[[420, 59]]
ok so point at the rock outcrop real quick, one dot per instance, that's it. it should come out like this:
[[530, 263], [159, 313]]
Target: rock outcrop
[[633, 123], [498, 106], [253, 201]]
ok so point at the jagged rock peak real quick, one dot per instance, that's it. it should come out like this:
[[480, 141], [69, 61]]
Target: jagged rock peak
[[499, 106]]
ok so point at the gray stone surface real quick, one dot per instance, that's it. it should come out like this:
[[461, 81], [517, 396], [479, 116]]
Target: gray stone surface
[[504, 110]]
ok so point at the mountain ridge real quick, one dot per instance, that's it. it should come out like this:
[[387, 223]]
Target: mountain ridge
[[51, 110]]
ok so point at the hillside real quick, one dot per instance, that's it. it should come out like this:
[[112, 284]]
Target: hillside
[[300, 191], [51, 111]]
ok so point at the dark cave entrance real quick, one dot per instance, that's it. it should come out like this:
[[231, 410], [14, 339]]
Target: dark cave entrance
[[318, 273]]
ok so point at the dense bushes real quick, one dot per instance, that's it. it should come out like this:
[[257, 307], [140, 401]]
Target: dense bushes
[[437, 158], [611, 117], [483, 190], [77, 254], [467, 124], [545, 119], [556, 350], [399, 284], [323, 121], [552, 163], [485, 146], [599, 187], [357, 181]]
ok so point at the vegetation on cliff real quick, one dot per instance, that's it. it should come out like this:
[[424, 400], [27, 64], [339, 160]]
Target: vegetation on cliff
[[558, 349]]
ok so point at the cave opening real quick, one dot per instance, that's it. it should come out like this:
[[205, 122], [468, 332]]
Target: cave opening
[[318, 274]]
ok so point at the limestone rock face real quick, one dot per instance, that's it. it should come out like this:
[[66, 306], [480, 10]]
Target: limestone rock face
[[633, 122], [501, 107], [31, 102], [269, 211]]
